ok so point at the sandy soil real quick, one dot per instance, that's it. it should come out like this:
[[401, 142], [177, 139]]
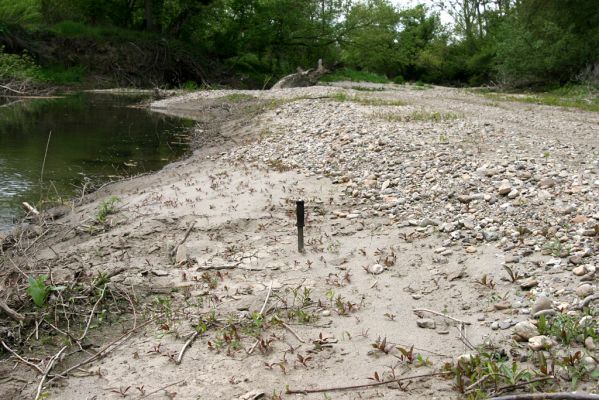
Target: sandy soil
[[242, 250]]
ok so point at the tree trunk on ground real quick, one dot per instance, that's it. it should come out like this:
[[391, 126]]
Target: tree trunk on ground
[[301, 78]]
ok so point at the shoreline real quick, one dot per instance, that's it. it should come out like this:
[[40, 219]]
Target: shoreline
[[385, 195]]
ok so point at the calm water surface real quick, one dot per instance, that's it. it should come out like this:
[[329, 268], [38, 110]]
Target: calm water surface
[[94, 138]]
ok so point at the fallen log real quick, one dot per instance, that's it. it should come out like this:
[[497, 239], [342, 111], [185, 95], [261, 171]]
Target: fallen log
[[301, 78]]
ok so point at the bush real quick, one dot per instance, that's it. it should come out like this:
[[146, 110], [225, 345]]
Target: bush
[[347, 74], [17, 66]]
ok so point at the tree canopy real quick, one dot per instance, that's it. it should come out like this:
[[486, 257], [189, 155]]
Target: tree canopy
[[515, 42]]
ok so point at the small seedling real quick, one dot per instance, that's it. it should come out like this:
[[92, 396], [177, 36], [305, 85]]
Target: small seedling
[[39, 291], [107, 207], [381, 345], [486, 281], [514, 275]]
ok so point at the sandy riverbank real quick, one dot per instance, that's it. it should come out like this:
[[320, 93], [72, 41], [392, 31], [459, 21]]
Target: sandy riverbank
[[416, 199]]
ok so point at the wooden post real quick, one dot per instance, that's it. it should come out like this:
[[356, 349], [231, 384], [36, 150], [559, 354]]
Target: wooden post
[[299, 210]]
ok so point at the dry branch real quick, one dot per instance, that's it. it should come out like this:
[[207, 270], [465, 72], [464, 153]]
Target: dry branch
[[48, 369], [442, 315], [363, 386], [10, 312], [549, 396]]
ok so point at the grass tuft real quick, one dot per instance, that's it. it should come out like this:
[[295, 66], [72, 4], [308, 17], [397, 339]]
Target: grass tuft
[[420, 116]]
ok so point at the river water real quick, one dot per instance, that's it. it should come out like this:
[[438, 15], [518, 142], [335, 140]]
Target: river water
[[93, 138]]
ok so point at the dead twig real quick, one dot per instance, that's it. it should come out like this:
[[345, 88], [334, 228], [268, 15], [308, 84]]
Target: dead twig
[[105, 350], [30, 364], [442, 315], [549, 396], [91, 314], [366, 385], [464, 339], [162, 388], [48, 369], [10, 312], [294, 333], [523, 384], [174, 251], [251, 350], [186, 345]]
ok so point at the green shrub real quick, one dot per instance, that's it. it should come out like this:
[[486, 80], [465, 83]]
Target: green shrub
[[399, 80], [347, 74], [17, 66]]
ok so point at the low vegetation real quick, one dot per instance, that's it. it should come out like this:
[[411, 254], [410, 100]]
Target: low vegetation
[[575, 96]]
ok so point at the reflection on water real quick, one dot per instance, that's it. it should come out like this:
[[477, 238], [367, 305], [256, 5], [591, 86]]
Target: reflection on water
[[93, 138]]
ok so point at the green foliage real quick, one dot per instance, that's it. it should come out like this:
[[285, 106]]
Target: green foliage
[[19, 12], [107, 207], [348, 74], [39, 291], [17, 66], [517, 43]]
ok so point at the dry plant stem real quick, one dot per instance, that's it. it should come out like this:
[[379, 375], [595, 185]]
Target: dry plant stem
[[522, 384], [475, 384], [174, 251], [442, 315], [290, 330], [10, 312], [267, 297], [91, 314], [185, 346], [30, 364], [251, 350], [464, 339], [105, 350], [159, 389], [45, 155], [549, 396], [366, 385], [48, 369]]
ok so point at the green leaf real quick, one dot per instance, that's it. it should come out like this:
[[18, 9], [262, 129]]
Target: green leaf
[[38, 290]]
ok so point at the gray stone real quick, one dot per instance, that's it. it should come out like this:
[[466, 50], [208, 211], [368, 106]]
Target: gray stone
[[426, 323], [540, 342], [542, 303], [181, 256], [584, 290], [526, 329]]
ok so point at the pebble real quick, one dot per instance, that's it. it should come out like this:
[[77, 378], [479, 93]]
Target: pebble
[[579, 271], [540, 342], [376, 269], [542, 303], [504, 188], [526, 329], [529, 283], [590, 344], [502, 305], [426, 323], [584, 290]]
